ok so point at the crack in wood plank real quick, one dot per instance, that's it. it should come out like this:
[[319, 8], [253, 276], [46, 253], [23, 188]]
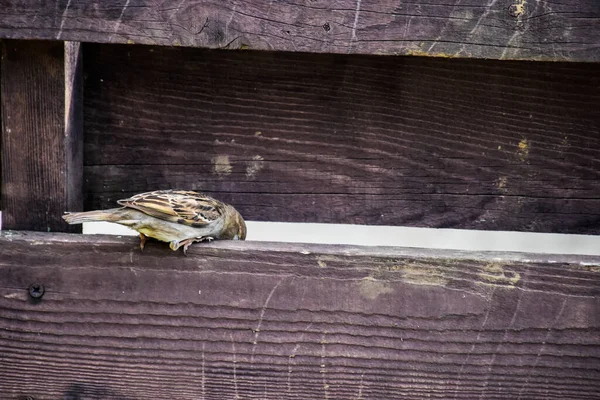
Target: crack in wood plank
[[234, 366], [443, 29], [489, 9], [543, 347], [261, 317], [356, 14], [63, 19], [495, 353], [233, 10], [118, 23], [203, 374], [323, 367], [361, 385], [475, 343]]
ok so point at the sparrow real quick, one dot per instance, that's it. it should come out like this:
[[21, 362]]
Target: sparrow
[[178, 217]]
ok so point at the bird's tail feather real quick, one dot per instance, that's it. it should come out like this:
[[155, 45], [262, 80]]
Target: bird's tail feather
[[111, 215]]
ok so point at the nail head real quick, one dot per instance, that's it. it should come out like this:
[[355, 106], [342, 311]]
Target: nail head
[[36, 290]]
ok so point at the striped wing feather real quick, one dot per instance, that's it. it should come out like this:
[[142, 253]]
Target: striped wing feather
[[184, 207]]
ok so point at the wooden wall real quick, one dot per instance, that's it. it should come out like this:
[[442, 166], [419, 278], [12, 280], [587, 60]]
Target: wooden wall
[[321, 129], [348, 139]]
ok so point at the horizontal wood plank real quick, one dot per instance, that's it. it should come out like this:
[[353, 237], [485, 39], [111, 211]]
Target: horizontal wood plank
[[517, 29], [252, 320], [349, 139]]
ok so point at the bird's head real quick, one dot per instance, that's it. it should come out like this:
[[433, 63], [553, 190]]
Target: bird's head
[[235, 226]]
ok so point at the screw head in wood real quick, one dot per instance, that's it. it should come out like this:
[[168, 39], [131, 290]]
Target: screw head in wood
[[36, 290]]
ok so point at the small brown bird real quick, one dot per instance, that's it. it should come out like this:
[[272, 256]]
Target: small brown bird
[[176, 216]]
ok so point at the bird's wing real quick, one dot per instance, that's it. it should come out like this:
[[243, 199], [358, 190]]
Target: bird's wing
[[184, 207]]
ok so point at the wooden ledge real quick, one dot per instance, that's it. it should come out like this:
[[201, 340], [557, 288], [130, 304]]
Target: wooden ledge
[[568, 30], [234, 319]]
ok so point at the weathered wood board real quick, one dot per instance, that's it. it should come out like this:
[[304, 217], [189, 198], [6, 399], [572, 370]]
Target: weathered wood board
[[250, 320], [516, 29], [41, 143], [349, 139]]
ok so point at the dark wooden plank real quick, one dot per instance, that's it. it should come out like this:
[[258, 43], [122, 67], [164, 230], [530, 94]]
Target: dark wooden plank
[[520, 29], [252, 320], [41, 151], [348, 139]]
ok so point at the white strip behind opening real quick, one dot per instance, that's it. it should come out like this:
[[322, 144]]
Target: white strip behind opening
[[365, 235]]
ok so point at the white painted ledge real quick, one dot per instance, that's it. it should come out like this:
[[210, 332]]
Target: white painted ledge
[[450, 239]]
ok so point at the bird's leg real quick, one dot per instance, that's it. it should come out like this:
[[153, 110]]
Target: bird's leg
[[186, 243], [143, 239], [204, 238]]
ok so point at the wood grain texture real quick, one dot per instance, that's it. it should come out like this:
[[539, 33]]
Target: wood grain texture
[[251, 320], [73, 114], [349, 139], [516, 29], [41, 155]]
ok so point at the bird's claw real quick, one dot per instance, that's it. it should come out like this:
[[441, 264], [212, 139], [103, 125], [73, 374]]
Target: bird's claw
[[143, 239], [188, 242]]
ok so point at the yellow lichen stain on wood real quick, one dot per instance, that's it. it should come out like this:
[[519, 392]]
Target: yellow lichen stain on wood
[[523, 149], [588, 268], [415, 273], [321, 263], [370, 288], [523, 145], [494, 274], [423, 275], [221, 165], [388, 267], [502, 181], [254, 166], [519, 8], [420, 52]]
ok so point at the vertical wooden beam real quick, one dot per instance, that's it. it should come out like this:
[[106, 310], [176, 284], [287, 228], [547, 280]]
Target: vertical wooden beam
[[1, 134], [73, 127], [41, 138]]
